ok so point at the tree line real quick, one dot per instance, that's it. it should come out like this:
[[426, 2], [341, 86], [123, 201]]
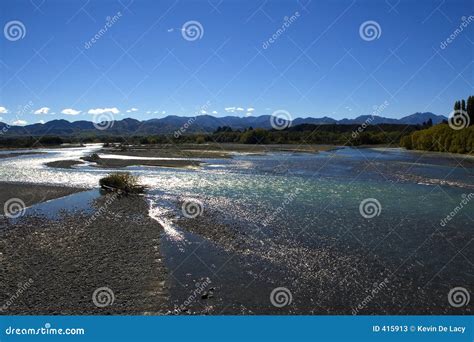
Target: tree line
[[455, 135], [444, 137]]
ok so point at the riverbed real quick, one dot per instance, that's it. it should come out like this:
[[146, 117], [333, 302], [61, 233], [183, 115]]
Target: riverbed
[[347, 231]]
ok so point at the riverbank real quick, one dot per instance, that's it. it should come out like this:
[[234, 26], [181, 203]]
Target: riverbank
[[32, 194], [54, 266]]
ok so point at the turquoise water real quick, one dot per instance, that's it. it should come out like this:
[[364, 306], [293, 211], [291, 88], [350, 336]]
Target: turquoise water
[[303, 229]]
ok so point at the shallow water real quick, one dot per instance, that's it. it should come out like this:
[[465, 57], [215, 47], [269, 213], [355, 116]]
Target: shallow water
[[289, 205]]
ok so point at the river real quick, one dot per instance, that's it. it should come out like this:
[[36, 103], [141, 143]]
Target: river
[[328, 228]]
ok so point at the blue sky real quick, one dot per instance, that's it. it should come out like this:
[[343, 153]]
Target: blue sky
[[319, 64]]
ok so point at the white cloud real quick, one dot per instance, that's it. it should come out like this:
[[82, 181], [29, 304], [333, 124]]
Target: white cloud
[[163, 112], [19, 123], [250, 109], [1, 119], [156, 112], [42, 110], [95, 111], [214, 112], [132, 110], [41, 121], [70, 111], [148, 111], [234, 109], [203, 111], [3, 110]]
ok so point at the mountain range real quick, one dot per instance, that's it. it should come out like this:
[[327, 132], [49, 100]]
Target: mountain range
[[201, 123]]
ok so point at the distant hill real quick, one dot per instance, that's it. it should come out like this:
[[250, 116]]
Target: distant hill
[[201, 123]]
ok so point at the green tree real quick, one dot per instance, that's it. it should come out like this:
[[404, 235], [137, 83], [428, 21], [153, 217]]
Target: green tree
[[470, 109], [457, 105], [256, 136]]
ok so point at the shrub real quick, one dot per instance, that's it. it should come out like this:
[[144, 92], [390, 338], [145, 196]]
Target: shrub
[[200, 139], [122, 181]]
